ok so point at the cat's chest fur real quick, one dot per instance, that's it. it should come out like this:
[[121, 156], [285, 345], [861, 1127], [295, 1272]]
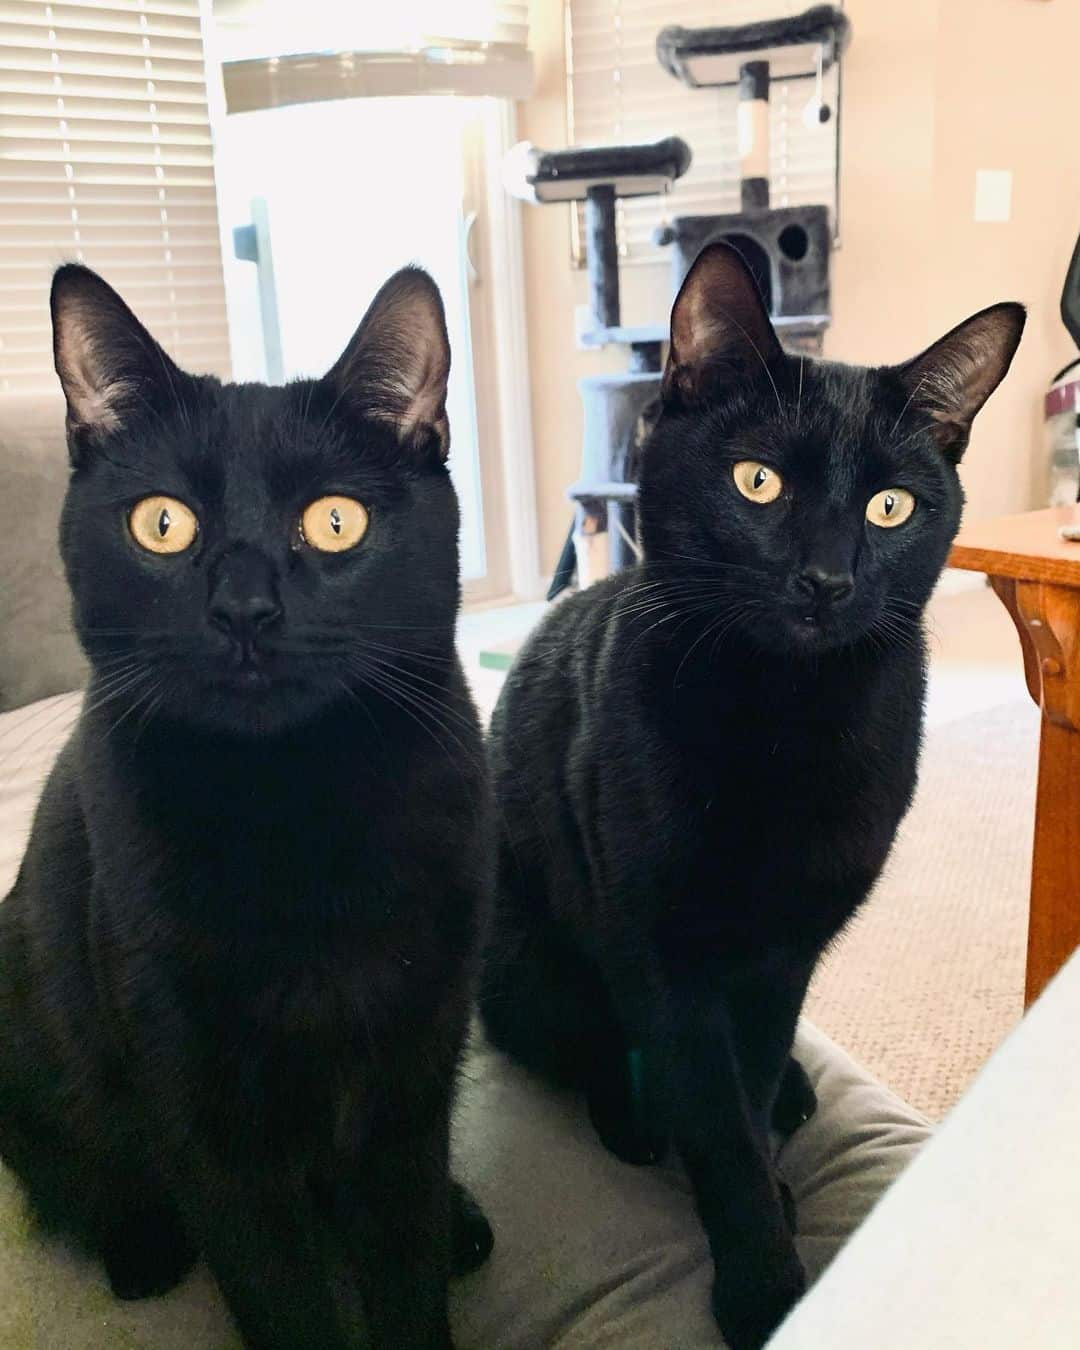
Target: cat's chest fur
[[242, 852], [773, 801], [264, 934], [797, 801]]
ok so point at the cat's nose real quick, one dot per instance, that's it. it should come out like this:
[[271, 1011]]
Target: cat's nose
[[243, 599], [823, 586], [242, 616]]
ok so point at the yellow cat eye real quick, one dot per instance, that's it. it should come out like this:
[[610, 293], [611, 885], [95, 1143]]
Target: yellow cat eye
[[890, 508], [334, 524], [756, 482], [163, 525]]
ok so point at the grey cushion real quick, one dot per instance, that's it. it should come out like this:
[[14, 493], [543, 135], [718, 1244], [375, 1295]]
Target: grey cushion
[[589, 1252], [38, 651]]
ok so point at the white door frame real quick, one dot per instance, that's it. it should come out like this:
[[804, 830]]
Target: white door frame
[[501, 367]]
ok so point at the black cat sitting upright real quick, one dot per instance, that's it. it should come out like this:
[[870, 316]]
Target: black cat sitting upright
[[701, 762], [236, 966]]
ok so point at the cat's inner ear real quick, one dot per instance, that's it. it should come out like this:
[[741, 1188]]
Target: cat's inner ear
[[397, 364], [720, 329], [952, 379], [106, 360]]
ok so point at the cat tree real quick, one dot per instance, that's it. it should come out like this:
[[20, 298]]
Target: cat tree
[[787, 249]]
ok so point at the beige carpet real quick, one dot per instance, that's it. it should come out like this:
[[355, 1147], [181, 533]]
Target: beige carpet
[[929, 977]]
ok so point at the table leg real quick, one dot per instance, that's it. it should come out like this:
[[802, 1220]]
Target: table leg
[[1047, 617]]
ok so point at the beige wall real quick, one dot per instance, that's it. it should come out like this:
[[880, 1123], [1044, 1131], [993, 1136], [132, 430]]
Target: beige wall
[[933, 90]]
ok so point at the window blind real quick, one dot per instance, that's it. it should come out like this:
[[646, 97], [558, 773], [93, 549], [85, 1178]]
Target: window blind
[[106, 158], [619, 94]]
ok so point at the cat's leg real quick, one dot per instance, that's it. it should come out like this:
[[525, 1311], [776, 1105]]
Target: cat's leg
[[764, 1005], [112, 1212], [392, 1212], [145, 1249], [269, 1253], [542, 1001], [546, 1004], [764, 1009], [619, 1100], [104, 1202], [721, 1132]]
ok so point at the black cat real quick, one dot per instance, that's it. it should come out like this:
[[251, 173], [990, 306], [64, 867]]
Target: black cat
[[236, 966], [701, 762]]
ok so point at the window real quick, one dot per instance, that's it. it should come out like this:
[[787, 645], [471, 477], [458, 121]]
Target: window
[[106, 158], [331, 244], [332, 202], [620, 94]]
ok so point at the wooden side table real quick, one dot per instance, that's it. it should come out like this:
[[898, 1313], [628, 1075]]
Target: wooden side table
[[1036, 575]]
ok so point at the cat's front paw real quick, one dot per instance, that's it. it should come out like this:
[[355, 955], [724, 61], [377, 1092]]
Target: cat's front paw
[[148, 1253], [748, 1311], [470, 1232], [796, 1100]]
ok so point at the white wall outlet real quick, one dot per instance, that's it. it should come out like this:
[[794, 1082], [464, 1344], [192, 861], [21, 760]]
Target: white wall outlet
[[993, 195]]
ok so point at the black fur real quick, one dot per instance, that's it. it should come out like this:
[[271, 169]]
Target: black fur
[[236, 966], [701, 762]]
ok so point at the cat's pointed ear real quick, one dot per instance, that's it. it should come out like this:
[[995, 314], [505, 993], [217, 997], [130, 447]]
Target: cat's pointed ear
[[720, 329], [396, 366], [109, 365], [952, 379]]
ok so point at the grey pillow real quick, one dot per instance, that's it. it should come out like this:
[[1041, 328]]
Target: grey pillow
[[38, 651]]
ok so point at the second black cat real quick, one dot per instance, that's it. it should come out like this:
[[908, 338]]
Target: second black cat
[[701, 763]]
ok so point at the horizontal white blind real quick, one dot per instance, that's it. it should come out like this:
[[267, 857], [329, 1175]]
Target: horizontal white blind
[[106, 158], [620, 94]]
